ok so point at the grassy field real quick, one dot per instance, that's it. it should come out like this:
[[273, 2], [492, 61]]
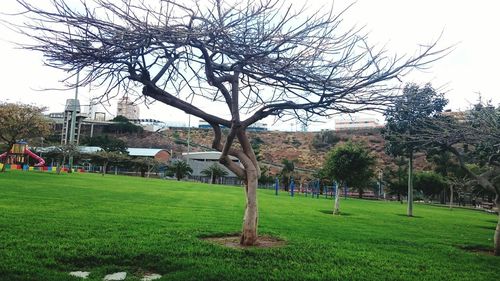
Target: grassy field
[[50, 225]]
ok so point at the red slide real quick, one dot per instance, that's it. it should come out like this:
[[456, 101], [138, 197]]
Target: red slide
[[40, 160]]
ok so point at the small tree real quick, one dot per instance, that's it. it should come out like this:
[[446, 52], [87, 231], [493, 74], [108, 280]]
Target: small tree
[[349, 164], [430, 183], [287, 172], [180, 169], [265, 177], [107, 143], [145, 165], [21, 122], [122, 126], [412, 108], [106, 158], [397, 179], [214, 171]]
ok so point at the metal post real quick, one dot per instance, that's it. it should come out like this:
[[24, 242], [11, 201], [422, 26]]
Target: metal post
[[276, 186], [317, 189], [73, 122]]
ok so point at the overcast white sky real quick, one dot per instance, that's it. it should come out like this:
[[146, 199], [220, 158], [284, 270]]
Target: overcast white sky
[[400, 25]]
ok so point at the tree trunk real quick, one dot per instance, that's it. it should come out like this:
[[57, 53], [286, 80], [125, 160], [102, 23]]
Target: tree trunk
[[410, 185], [451, 197], [61, 165], [250, 220], [336, 208], [497, 230]]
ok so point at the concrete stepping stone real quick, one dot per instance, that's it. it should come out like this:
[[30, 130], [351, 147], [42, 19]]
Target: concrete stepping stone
[[151, 277], [81, 274], [117, 276]]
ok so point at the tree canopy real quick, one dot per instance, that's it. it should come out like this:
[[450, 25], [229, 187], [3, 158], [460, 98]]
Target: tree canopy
[[214, 171], [180, 169], [22, 122], [416, 105], [350, 163]]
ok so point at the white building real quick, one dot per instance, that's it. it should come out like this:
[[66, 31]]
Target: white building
[[198, 161], [151, 125], [356, 123], [127, 108]]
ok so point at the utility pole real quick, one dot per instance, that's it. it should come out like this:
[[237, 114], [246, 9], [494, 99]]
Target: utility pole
[[73, 122]]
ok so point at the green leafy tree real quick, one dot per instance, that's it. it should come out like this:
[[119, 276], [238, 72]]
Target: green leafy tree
[[430, 183], [122, 126], [416, 105], [106, 158], [324, 140], [265, 177], [21, 122], [445, 164], [107, 143], [214, 171], [145, 165], [287, 172], [349, 164], [180, 169], [397, 179]]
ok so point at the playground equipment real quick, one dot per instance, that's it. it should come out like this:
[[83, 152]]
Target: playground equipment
[[17, 155]]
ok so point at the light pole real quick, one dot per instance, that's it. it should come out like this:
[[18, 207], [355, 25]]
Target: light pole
[[73, 122]]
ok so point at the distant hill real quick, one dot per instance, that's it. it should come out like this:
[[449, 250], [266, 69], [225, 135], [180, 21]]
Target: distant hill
[[308, 149]]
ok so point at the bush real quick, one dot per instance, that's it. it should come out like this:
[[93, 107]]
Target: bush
[[325, 140]]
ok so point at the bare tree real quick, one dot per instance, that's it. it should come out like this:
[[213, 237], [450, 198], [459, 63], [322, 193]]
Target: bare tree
[[257, 58]]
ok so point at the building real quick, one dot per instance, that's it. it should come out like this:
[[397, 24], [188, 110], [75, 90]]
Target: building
[[460, 116], [199, 161], [61, 122], [127, 108], [151, 125], [356, 123], [256, 127], [160, 155], [72, 106]]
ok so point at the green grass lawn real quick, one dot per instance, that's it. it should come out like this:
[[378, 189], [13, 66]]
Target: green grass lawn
[[50, 225]]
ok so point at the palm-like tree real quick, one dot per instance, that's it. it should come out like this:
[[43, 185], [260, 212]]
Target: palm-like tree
[[214, 171], [180, 169]]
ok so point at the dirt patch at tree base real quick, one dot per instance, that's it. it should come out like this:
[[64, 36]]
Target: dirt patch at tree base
[[233, 241], [478, 249]]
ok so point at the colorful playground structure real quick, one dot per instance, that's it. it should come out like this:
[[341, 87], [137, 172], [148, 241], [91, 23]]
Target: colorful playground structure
[[18, 158], [19, 155]]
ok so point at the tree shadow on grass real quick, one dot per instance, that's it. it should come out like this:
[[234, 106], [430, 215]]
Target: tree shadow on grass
[[405, 215], [330, 212], [477, 249], [487, 227]]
